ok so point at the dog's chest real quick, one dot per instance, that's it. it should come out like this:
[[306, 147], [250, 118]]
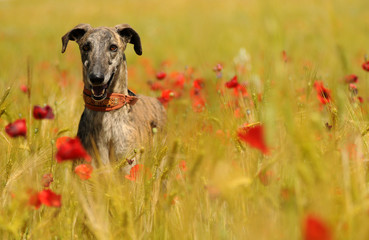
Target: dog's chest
[[112, 131]]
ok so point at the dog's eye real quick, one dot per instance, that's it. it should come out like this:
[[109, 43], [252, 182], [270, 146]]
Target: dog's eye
[[86, 48], [113, 48]]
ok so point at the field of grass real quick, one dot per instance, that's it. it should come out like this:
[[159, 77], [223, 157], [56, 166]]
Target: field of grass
[[214, 185]]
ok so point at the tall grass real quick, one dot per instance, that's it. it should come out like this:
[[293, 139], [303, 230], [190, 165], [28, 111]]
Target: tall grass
[[228, 190]]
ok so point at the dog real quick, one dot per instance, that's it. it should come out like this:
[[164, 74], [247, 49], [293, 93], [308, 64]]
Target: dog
[[115, 121]]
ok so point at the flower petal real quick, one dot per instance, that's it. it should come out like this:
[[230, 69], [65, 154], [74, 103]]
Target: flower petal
[[17, 128], [254, 136]]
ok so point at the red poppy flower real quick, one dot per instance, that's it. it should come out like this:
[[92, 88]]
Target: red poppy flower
[[285, 57], [352, 78], [365, 66], [353, 88], [254, 136], [240, 89], [361, 100], [198, 103], [47, 179], [160, 75], [218, 68], [156, 86], [71, 149], [237, 113], [198, 84], [316, 229], [324, 94], [84, 171], [183, 165], [24, 88], [17, 128], [135, 172], [260, 97], [180, 80], [43, 113], [34, 199], [233, 83], [49, 198], [61, 141], [166, 96]]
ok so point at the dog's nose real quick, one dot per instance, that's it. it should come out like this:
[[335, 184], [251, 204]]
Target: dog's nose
[[96, 78]]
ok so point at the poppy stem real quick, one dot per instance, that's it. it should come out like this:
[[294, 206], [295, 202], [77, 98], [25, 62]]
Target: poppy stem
[[169, 164], [365, 131], [196, 166], [5, 95], [2, 100], [333, 114], [52, 155], [29, 82]]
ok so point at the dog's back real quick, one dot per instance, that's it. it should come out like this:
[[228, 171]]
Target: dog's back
[[148, 116]]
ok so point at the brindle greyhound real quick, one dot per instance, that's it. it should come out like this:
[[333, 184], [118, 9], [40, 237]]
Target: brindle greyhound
[[114, 119]]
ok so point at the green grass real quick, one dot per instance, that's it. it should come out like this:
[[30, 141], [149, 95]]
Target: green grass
[[312, 170]]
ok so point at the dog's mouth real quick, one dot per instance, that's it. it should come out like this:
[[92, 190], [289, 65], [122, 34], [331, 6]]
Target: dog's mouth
[[99, 93]]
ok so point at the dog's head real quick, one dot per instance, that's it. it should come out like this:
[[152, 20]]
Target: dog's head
[[102, 53]]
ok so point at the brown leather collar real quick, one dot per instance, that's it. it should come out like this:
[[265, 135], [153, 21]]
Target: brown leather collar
[[112, 101]]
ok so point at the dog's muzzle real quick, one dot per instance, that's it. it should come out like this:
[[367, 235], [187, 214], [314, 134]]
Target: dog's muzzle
[[99, 93]]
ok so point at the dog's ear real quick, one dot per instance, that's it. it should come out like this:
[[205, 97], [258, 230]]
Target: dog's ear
[[75, 34], [131, 36]]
